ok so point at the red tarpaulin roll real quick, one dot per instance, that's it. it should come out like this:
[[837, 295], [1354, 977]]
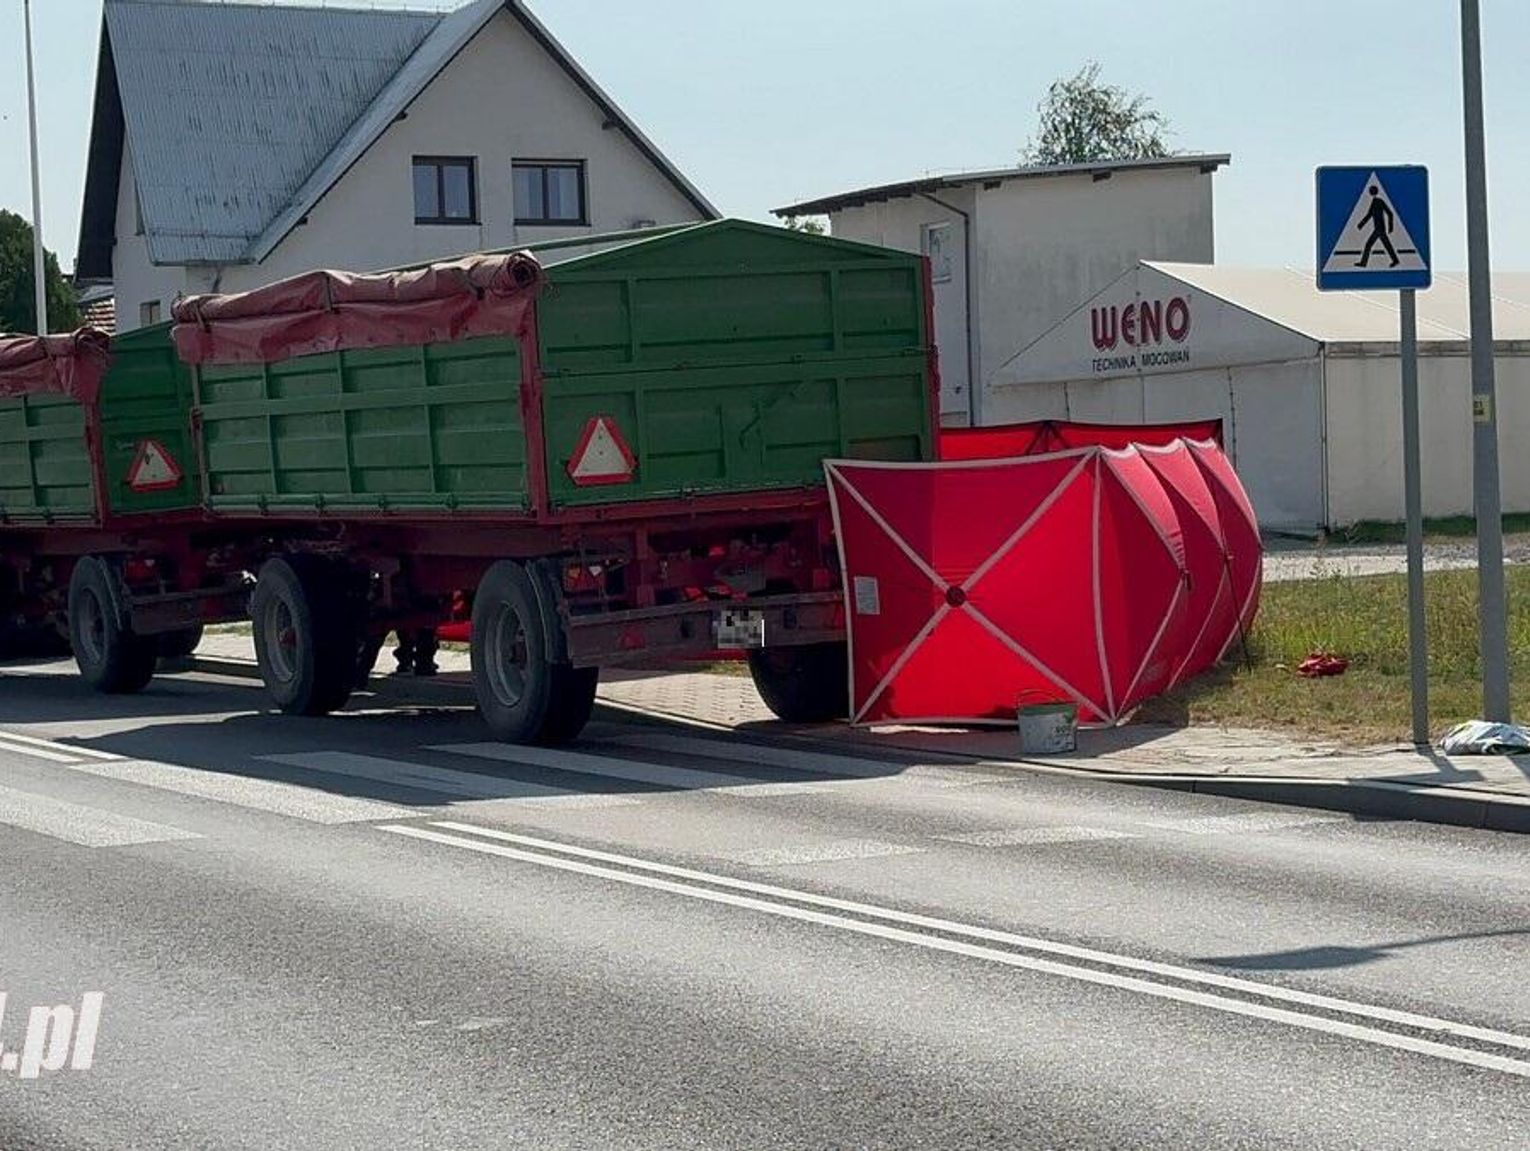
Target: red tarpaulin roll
[[1092, 576], [68, 365], [333, 311]]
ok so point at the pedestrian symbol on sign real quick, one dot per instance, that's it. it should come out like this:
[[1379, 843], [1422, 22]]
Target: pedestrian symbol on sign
[[1373, 228], [1382, 221]]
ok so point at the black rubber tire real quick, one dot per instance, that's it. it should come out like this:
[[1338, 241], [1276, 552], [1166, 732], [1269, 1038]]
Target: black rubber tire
[[306, 639], [809, 684], [573, 701], [367, 652], [111, 659], [512, 676], [179, 645]]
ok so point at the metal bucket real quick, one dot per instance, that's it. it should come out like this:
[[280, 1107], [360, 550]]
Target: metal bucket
[[1049, 729]]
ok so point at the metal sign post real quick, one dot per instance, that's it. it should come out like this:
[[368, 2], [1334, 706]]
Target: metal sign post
[[1493, 608], [39, 261], [1413, 486], [1373, 233]]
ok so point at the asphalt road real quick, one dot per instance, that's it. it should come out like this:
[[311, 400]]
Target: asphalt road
[[377, 930]]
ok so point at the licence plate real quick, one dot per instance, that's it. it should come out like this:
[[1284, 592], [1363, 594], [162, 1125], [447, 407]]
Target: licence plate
[[738, 628]]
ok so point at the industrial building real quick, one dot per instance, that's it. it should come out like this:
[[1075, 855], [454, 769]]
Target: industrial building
[[1014, 250], [1307, 383]]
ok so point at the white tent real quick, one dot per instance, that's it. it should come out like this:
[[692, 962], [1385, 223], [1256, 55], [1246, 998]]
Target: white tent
[[1307, 383]]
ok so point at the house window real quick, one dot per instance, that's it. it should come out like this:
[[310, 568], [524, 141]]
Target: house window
[[148, 313], [445, 190], [550, 192]]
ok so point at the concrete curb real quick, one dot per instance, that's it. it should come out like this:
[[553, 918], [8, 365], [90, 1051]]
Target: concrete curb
[[1366, 799]]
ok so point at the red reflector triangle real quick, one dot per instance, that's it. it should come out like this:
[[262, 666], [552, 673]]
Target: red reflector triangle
[[602, 456], [153, 469]]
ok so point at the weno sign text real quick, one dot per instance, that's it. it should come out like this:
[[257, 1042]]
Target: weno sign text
[[1135, 331]]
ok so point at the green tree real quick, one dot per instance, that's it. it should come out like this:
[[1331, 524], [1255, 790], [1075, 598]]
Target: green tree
[[18, 300], [806, 225], [1083, 120]]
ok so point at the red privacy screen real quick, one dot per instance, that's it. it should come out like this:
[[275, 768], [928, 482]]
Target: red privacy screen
[[1091, 576]]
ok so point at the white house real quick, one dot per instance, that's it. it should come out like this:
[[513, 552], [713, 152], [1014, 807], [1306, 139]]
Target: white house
[[235, 144], [1307, 384], [1015, 250]]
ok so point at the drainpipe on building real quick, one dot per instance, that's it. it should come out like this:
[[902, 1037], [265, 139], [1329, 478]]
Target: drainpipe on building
[[974, 388]]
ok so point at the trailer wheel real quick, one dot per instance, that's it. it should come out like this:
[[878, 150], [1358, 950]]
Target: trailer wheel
[[112, 659], [809, 684], [181, 644], [524, 694], [512, 675], [305, 635], [573, 700]]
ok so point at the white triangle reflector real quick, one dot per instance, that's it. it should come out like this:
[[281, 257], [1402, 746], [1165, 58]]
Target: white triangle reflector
[[153, 469], [602, 456]]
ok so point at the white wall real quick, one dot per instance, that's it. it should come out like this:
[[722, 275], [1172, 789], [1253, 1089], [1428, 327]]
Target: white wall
[[1165, 377], [1041, 247], [1025, 403], [1276, 441], [1365, 434], [135, 280], [503, 98], [1045, 246], [901, 224], [1271, 417]]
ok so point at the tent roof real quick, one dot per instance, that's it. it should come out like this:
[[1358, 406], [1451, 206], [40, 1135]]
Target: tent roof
[[1289, 297]]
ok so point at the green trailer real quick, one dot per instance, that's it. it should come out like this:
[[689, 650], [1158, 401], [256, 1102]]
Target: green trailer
[[48, 472], [625, 465], [727, 358], [96, 479]]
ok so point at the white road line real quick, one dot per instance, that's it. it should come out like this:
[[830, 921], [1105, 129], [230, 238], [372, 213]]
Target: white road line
[[85, 826], [36, 752], [1030, 943], [632, 771], [794, 760], [69, 749], [1250, 823], [831, 852], [1034, 836], [287, 799], [736, 752], [444, 781], [883, 930]]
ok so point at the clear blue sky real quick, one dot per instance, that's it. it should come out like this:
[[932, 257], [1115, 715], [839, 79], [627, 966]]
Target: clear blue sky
[[762, 104]]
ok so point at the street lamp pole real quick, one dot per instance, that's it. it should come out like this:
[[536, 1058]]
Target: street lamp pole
[[1493, 618], [39, 263]]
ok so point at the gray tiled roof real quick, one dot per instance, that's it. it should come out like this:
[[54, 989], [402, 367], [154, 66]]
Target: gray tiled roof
[[239, 117], [230, 107]]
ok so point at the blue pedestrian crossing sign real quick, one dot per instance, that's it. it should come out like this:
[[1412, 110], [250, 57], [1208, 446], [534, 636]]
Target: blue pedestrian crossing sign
[[1373, 228]]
